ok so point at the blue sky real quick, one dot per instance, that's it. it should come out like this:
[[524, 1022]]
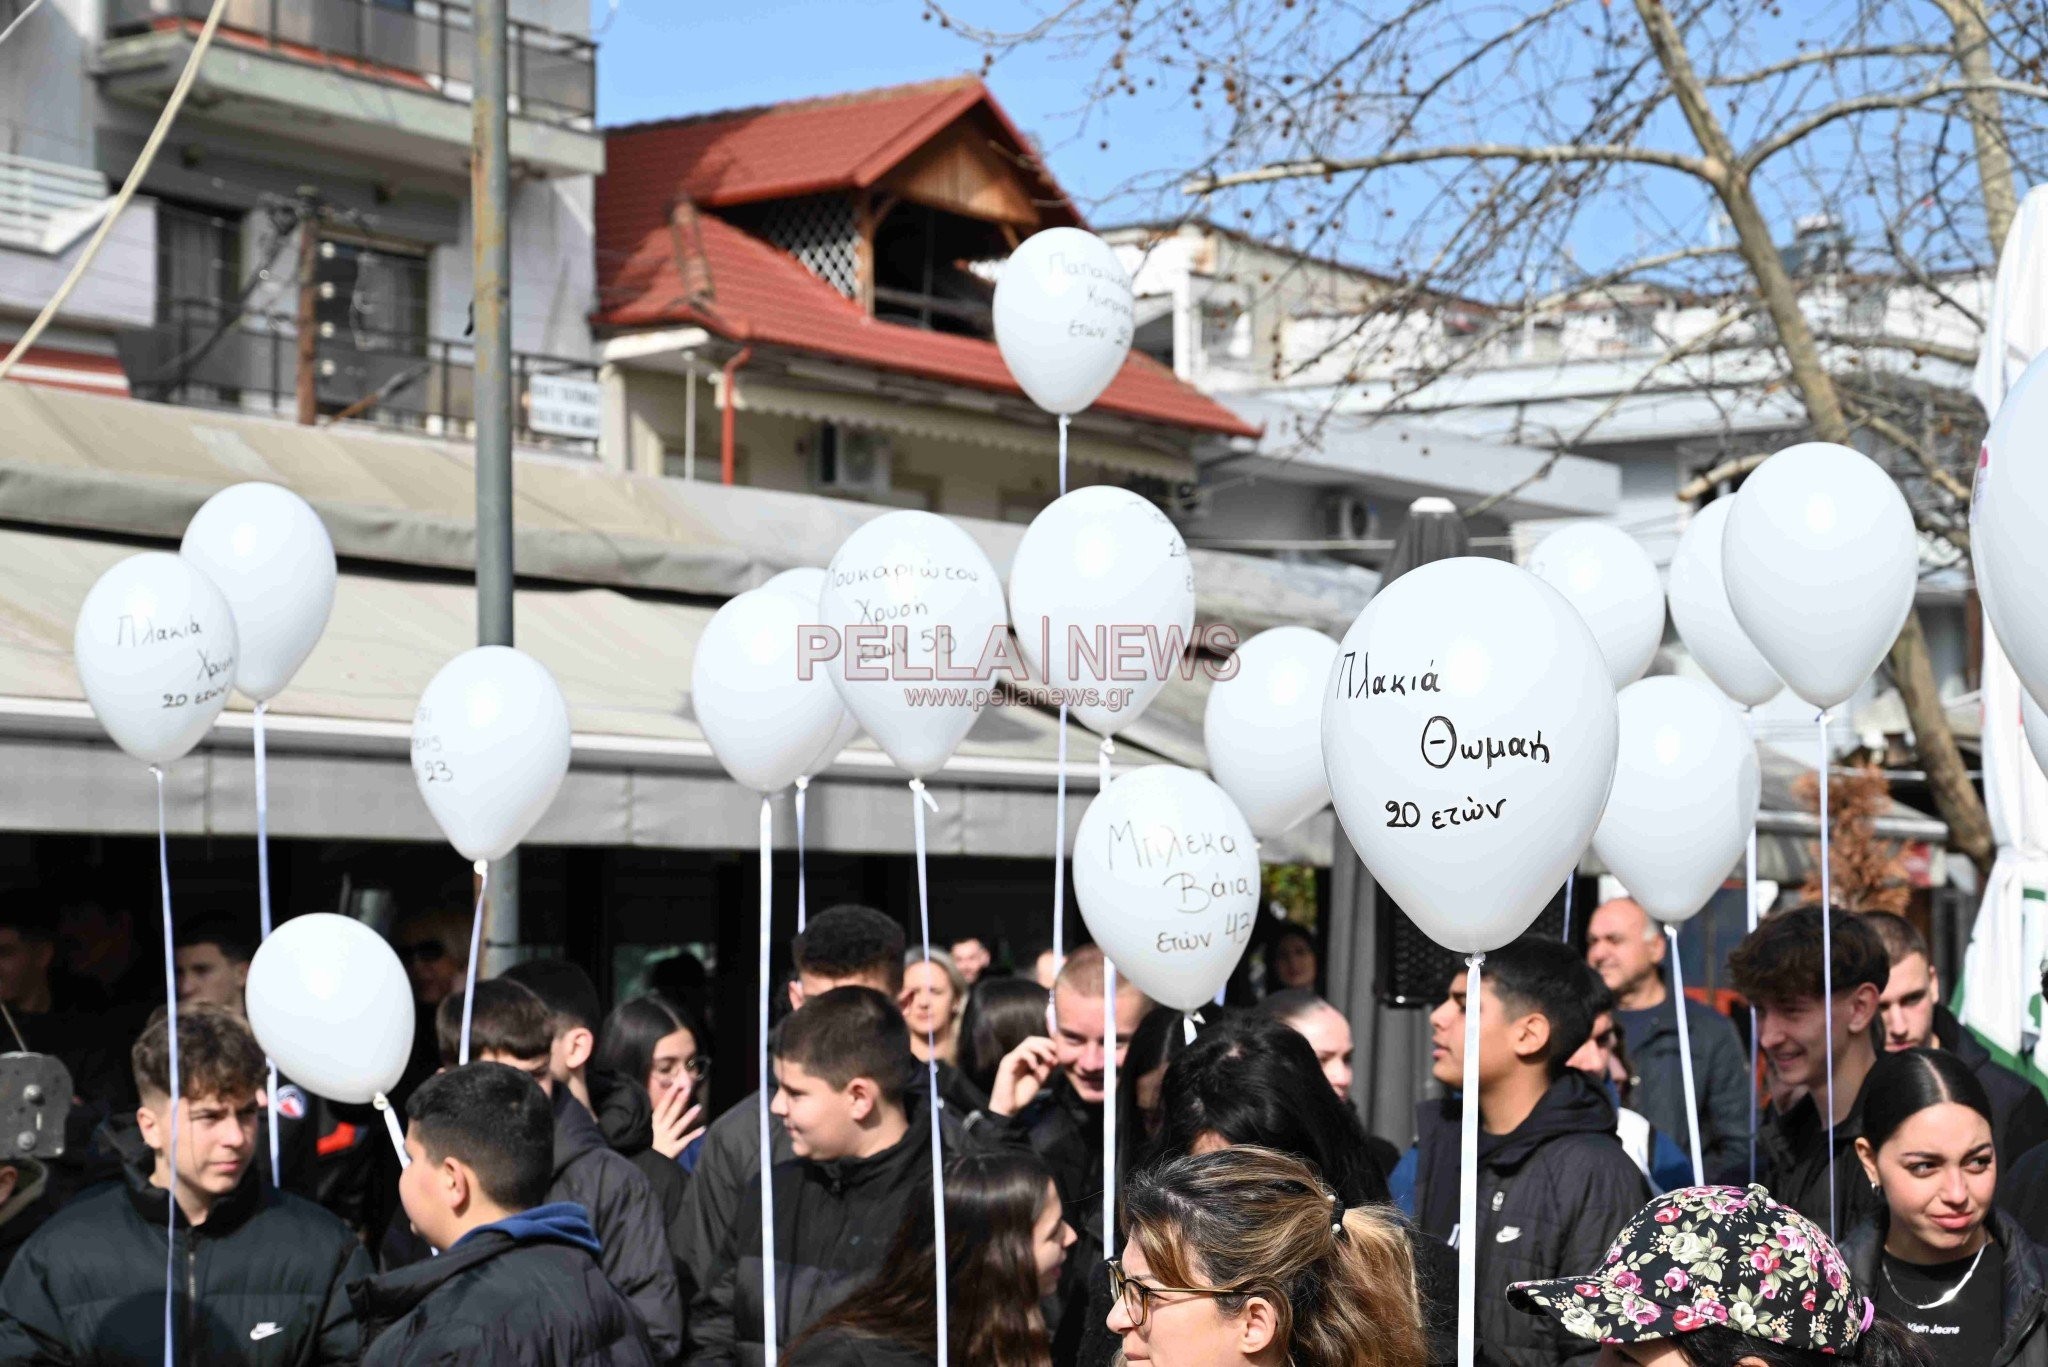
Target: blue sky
[[660, 58]]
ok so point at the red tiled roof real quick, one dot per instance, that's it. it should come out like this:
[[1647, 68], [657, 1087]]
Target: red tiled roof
[[740, 287]]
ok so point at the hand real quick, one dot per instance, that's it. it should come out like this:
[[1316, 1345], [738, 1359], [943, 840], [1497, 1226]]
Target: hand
[[675, 1123], [1022, 1073]]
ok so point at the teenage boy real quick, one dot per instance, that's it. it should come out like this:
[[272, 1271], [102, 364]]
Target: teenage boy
[[842, 946], [1777, 968], [843, 1068], [1626, 948], [1555, 1184], [509, 1025], [517, 1279], [260, 1276], [1912, 1017]]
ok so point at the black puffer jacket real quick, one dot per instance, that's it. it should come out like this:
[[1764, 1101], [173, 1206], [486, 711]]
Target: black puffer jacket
[[527, 1290], [2019, 1113], [628, 1220], [833, 1225], [2024, 1342], [728, 1161], [1553, 1193], [626, 1116], [263, 1281]]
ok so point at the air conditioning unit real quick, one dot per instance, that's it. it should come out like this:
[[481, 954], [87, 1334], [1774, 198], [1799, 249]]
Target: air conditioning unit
[[850, 460], [1347, 517]]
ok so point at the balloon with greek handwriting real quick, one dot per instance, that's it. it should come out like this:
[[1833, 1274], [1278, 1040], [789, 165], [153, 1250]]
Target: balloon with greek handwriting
[[767, 723], [1063, 317], [2007, 518], [329, 1003], [156, 650], [804, 586], [1166, 872], [269, 554], [1705, 622], [1686, 789], [1607, 575], [1263, 728], [1102, 595], [1469, 736], [1821, 559], [490, 747], [914, 623]]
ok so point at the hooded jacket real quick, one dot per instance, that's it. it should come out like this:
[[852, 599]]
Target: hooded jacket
[[2024, 1336], [263, 1281], [626, 1216], [526, 1290], [2019, 1113], [1553, 1193], [833, 1225]]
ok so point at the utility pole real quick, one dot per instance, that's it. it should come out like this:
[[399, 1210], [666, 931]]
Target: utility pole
[[308, 386], [490, 181]]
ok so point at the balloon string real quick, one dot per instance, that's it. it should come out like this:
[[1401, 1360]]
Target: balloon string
[[1570, 877], [803, 783], [1108, 1100], [1749, 895], [476, 943], [263, 913], [1468, 1168], [163, 873], [1692, 1096], [1059, 859], [1104, 772], [383, 1104], [919, 799], [1827, 957], [1063, 455], [768, 1338]]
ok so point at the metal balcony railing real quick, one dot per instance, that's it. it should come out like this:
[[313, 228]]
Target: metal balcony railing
[[200, 355], [554, 75]]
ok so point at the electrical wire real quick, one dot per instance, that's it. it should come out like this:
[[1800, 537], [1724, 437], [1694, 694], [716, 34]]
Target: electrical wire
[[34, 5], [134, 182]]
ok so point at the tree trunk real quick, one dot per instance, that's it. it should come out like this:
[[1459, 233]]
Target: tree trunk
[[1987, 120], [1954, 796]]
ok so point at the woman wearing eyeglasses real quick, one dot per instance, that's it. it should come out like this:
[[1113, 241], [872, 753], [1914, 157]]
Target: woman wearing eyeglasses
[[664, 1048], [1941, 1259], [1243, 1258]]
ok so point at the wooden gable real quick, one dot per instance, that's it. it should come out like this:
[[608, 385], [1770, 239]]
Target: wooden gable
[[962, 171]]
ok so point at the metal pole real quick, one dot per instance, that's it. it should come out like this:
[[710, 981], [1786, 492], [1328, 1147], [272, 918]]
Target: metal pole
[[307, 382], [490, 183]]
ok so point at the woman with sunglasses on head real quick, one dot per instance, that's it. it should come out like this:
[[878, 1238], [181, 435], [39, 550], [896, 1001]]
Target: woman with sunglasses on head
[[1006, 1243], [666, 1049], [1245, 1258], [1723, 1277], [1958, 1272]]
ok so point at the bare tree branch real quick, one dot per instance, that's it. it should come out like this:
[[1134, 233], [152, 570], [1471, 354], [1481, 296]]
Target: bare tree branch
[[1323, 168]]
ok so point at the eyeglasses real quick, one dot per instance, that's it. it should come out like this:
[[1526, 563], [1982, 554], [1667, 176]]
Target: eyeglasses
[[698, 1066], [424, 951], [1138, 1297]]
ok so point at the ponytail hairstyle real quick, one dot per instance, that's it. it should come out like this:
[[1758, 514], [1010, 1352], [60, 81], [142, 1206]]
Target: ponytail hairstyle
[[1886, 1343], [1341, 1281]]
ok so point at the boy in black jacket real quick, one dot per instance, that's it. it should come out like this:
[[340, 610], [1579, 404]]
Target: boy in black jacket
[[517, 1280], [847, 1092], [1555, 1184]]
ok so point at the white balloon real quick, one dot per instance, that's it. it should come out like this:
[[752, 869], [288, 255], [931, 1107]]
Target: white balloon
[[1167, 875], [1820, 561], [329, 1002], [155, 649], [490, 745], [766, 722], [2007, 519], [805, 585], [898, 586], [1686, 788], [1099, 568], [1063, 317], [1263, 728], [2034, 725], [1469, 736], [269, 554], [1607, 575], [1705, 622]]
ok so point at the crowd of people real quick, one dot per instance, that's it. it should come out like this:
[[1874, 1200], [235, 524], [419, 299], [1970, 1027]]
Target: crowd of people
[[563, 1198]]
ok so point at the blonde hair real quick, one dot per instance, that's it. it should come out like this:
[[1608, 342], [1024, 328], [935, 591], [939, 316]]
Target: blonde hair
[[1341, 1282]]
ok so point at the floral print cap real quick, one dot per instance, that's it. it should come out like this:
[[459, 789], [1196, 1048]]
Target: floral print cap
[[1711, 1255]]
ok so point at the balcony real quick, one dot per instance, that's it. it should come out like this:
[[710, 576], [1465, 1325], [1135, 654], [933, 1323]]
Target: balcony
[[200, 355], [389, 79]]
